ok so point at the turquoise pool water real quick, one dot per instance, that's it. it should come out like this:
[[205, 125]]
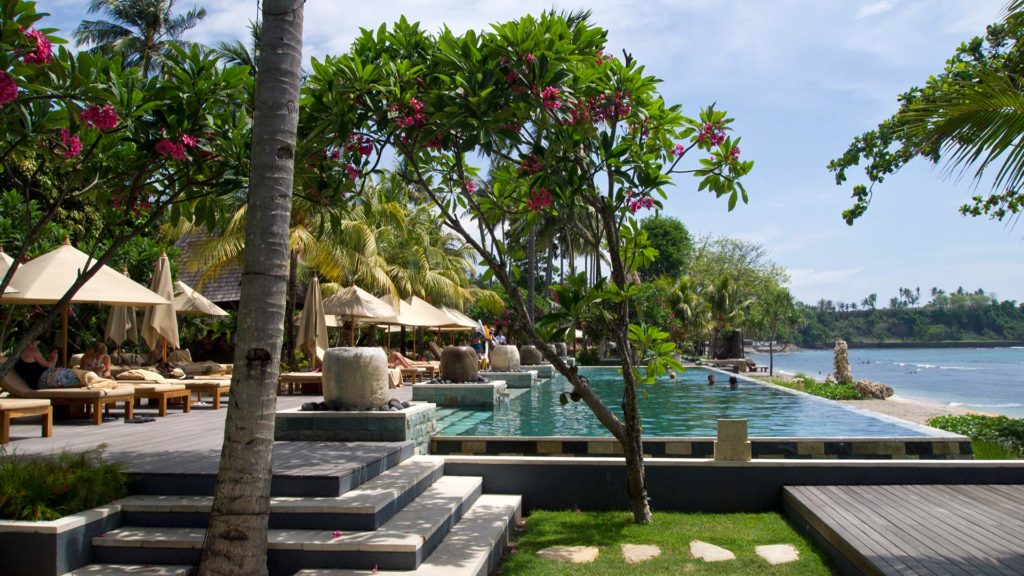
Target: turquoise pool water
[[686, 406]]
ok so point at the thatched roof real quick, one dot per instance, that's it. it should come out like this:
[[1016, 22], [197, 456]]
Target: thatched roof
[[223, 288]]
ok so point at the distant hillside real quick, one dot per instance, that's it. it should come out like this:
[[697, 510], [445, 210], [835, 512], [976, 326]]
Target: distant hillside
[[988, 323]]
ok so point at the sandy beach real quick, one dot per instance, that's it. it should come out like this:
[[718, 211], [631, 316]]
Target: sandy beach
[[910, 410]]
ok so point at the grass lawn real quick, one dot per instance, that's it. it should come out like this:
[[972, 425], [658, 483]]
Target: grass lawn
[[672, 532]]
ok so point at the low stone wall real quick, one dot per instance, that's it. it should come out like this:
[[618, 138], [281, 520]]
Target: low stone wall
[[542, 370], [951, 448], [513, 379], [478, 395], [53, 548], [416, 423]]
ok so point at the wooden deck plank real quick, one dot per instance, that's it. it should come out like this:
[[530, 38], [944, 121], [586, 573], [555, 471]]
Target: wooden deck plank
[[889, 526], [847, 533], [961, 546], [947, 530]]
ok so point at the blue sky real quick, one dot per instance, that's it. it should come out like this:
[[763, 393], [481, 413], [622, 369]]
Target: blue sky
[[802, 78]]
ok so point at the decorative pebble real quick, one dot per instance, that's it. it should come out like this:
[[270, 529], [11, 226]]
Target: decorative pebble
[[637, 553], [778, 553], [571, 554], [709, 552]]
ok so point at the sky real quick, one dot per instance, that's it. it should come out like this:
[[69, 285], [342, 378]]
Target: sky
[[801, 78]]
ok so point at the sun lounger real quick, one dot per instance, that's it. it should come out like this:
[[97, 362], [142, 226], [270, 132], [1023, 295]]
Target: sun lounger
[[307, 382], [95, 400], [215, 387], [153, 386], [11, 408]]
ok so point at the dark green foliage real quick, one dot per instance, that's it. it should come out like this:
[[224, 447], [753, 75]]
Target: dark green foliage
[[672, 240], [975, 319], [588, 357], [1008, 432], [834, 391], [49, 487]]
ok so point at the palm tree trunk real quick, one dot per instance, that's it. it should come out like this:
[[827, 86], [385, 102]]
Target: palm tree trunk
[[549, 273], [236, 539], [289, 309]]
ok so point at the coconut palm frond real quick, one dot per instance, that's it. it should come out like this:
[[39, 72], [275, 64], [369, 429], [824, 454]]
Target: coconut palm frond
[[981, 125]]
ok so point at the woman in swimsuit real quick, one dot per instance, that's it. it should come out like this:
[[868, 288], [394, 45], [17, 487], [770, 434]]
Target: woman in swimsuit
[[41, 373]]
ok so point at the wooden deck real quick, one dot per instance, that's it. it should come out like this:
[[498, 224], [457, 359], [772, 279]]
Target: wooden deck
[[178, 443], [946, 530]]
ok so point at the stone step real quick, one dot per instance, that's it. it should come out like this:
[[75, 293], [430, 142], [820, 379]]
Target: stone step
[[472, 548], [400, 543], [364, 508], [131, 570]]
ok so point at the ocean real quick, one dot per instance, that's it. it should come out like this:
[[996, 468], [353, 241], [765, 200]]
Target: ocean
[[983, 379]]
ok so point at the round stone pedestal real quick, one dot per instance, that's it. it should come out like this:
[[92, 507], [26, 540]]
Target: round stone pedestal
[[356, 378], [459, 364], [529, 355], [504, 358]]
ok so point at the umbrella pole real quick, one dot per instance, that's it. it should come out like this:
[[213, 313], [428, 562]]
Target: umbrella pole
[[164, 341], [64, 335]]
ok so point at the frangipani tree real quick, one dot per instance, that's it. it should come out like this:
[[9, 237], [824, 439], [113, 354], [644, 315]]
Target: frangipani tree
[[563, 123], [78, 129]]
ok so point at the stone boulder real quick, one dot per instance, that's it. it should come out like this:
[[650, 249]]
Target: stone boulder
[[505, 358], [870, 389], [356, 378], [830, 379], [842, 362], [459, 364], [561, 349], [529, 355]]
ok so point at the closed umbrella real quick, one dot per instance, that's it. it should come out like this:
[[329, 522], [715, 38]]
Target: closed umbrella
[[160, 325], [45, 280], [122, 324], [312, 335], [188, 301]]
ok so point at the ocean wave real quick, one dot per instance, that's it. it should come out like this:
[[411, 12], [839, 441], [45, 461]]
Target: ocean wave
[[927, 366], [1005, 405], [964, 368]]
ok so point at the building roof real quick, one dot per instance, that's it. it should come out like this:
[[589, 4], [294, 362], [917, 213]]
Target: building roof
[[224, 287]]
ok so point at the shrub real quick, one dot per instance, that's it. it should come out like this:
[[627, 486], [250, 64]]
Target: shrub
[[1008, 432], [588, 357], [834, 391], [49, 487]]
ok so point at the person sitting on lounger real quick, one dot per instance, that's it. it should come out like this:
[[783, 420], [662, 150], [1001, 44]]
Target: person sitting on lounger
[[41, 373], [396, 360], [97, 360]]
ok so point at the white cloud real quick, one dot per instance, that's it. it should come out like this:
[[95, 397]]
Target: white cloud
[[874, 9], [810, 277]]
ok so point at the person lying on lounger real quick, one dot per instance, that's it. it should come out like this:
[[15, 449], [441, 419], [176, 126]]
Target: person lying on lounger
[[97, 360], [41, 373]]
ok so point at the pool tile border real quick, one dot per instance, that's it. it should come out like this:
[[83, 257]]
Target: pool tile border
[[885, 448]]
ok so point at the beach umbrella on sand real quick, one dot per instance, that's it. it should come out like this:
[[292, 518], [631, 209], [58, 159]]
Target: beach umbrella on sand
[[5, 264], [312, 336], [190, 302], [122, 324], [160, 325], [45, 279]]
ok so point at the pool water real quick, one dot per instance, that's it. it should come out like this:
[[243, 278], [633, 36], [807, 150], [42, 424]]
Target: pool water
[[686, 406]]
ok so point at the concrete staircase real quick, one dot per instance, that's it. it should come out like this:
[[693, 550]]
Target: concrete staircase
[[409, 518]]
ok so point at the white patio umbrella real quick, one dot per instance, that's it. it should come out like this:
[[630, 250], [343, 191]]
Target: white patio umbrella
[[5, 264], [418, 313], [355, 304], [312, 336], [459, 321], [45, 279], [189, 301], [122, 324], [160, 325]]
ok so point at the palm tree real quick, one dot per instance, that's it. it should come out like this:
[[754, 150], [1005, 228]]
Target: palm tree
[[236, 53], [725, 307], [236, 541], [139, 31]]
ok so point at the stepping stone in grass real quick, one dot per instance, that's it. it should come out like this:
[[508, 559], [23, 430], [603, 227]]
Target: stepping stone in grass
[[778, 553], [637, 553], [709, 552], [571, 554]]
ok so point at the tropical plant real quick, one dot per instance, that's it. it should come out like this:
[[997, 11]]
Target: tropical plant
[[773, 309], [572, 126], [671, 239], [139, 32], [725, 307], [79, 130], [970, 116], [236, 541]]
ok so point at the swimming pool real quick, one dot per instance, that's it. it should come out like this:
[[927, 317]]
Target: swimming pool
[[683, 407]]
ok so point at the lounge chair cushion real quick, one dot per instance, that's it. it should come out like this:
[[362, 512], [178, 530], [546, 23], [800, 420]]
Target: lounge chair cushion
[[20, 403], [139, 374], [17, 388], [200, 368], [155, 387]]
